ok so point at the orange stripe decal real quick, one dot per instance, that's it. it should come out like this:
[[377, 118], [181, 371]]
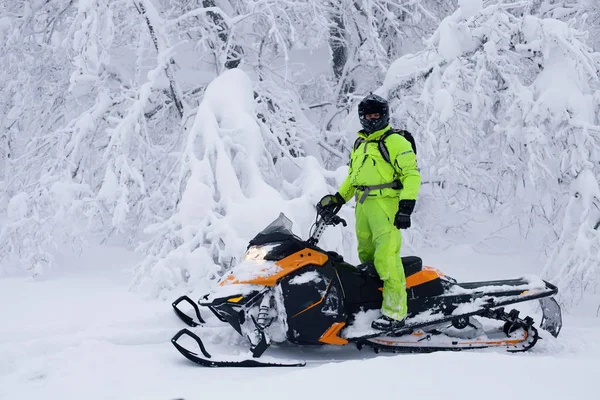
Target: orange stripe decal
[[505, 342], [291, 263], [331, 335]]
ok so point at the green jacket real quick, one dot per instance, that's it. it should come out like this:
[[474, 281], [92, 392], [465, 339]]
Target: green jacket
[[368, 168]]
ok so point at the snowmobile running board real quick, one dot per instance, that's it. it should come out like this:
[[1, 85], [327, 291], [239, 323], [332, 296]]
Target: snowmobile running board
[[207, 361], [527, 340], [511, 321], [551, 320]]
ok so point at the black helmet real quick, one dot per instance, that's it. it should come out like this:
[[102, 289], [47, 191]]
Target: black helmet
[[373, 104]]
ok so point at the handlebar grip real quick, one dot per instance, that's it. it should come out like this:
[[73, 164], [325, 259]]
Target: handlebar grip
[[337, 220]]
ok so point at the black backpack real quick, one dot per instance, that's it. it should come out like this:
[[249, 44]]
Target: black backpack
[[381, 142]]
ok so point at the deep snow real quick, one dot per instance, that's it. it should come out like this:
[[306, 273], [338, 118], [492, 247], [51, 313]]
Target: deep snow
[[80, 334]]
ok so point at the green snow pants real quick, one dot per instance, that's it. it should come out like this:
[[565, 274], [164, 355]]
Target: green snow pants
[[379, 241]]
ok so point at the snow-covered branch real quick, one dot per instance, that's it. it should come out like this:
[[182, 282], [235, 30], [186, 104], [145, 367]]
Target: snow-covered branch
[[150, 15]]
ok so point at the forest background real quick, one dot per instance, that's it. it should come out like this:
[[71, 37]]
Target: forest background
[[180, 128]]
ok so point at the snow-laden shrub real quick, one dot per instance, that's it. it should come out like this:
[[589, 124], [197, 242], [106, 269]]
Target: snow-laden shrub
[[584, 13], [225, 197], [574, 263], [82, 156]]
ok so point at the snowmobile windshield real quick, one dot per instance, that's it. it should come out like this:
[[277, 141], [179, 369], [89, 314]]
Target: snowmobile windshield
[[281, 225], [276, 232]]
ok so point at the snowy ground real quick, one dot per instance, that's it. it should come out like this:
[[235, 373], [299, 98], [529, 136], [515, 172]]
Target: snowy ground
[[80, 334]]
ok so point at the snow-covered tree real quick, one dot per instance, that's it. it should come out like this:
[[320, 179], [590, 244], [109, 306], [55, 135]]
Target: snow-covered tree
[[364, 37], [224, 172], [575, 260], [505, 108], [34, 83], [102, 96], [584, 13], [85, 147]]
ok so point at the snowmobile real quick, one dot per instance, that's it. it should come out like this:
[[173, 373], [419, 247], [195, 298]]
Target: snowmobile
[[289, 289]]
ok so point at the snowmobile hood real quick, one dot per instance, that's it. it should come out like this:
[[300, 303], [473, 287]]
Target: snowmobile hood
[[267, 273], [272, 254]]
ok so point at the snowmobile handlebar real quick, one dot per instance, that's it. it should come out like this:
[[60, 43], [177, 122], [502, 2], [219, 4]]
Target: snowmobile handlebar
[[324, 219], [338, 220]]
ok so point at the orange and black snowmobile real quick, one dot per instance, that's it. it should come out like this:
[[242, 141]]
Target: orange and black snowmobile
[[289, 289]]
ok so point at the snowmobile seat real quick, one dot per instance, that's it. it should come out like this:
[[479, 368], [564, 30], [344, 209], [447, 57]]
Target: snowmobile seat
[[411, 264]]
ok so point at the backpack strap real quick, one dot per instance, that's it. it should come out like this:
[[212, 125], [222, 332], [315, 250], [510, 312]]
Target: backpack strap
[[383, 148], [357, 143], [381, 142], [408, 136]]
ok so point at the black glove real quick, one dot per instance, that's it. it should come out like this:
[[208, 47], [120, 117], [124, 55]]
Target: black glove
[[330, 204], [402, 218]]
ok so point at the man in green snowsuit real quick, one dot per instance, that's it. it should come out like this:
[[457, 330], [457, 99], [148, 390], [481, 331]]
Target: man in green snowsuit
[[386, 192]]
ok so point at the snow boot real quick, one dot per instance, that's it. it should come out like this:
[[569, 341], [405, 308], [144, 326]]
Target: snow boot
[[385, 323]]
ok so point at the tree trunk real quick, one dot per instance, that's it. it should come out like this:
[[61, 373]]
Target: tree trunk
[[337, 43], [234, 53], [168, 71]]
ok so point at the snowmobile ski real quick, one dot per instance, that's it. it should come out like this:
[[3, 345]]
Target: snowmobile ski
[[189, 321], [206, 360]]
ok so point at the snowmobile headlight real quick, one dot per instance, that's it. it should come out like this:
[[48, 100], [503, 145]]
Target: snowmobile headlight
[[258, 253]]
